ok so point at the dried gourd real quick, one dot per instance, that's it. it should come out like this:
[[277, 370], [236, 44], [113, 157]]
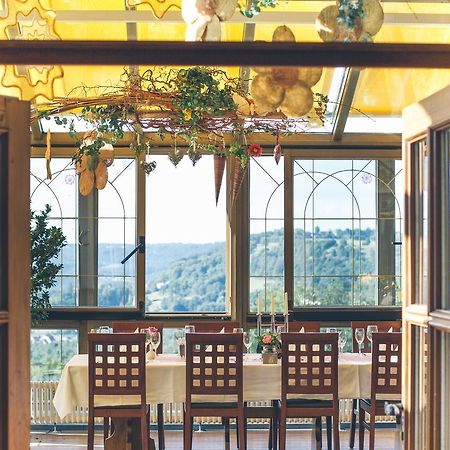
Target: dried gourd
[[86, 183], [298, 100], [373, 17], [265, 91], [213, 30], [80, 165], [285, 76], [225, 9], [310, 75], [326, 24], [101, 175], [283, 34]]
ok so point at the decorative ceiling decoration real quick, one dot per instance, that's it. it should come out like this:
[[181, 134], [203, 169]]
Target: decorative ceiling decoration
[[159, 7], [203, 18], [29, 20], [350, 21]]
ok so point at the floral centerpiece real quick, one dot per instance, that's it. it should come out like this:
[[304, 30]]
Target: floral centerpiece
[[269, 342]]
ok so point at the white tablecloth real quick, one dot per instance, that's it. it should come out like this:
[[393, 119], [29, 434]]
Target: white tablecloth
[[166, 382]]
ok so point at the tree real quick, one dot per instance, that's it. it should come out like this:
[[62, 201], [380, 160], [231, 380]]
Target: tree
[[46, 244]]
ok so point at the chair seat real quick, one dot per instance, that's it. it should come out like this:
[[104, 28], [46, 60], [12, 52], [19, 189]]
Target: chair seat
[[313, 403]]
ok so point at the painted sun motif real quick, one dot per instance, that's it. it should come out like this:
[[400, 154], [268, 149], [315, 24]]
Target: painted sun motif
[[30, 21]]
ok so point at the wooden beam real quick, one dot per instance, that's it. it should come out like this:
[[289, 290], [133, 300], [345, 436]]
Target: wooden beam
[[329, 54]]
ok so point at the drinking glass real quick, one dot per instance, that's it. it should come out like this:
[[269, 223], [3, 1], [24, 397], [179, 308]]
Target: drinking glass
[[104, 329], [238, 330], [359, 336], [155, 340], [189, 329], [247, 341], [370, 330], [280, 329], [332, 330]]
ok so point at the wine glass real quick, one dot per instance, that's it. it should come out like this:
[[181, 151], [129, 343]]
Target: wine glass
[[238, 330], [359, 336], [370, 330], [246, 340], [155, 340], [342, 340]]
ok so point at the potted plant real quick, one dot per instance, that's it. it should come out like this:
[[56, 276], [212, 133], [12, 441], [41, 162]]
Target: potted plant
[[46, 244], [269, 342]]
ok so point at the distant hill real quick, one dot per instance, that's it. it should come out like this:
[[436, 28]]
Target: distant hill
[[191, 277]]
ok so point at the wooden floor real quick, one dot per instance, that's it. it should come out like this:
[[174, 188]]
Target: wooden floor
[[208, 440]]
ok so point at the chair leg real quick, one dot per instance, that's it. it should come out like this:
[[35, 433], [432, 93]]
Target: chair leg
[[187, 431], [160, 414], [362, 415], [318, 428], [372, 431], [275, 428], [282, 431], [240, 428], [105, 428], [90, 442], [353, 423], [337, 444], [226, 424], [270, 440], [144, 431], [329, 434]]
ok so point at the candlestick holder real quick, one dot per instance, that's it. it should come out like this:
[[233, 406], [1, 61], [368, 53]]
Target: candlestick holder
[[286, 322], [272, 323], [258, 324]]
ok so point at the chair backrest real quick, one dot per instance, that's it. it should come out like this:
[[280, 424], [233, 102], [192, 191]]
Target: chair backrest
[[383, 327], [215, 327], [131, 325], [308, 327], [309, 364], [214, 365], [116, 365], [386, 364]]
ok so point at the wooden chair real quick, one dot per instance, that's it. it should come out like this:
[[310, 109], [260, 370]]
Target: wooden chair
[[130, 327], [310, 369], [117, 367], [214, 367], [383, 327], [386, 379], [308, 327], [214, 327]]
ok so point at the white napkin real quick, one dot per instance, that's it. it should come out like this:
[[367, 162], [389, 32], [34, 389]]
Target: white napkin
[[302, 330], [150, 354], [391, 330]]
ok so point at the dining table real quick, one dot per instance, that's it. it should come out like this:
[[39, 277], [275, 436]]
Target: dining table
[[166, 383]]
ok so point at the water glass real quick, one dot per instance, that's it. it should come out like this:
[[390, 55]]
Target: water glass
[[342, 340], [370, 330], [332, 330], [155, 340], [238, 330], [104, 329], [247, 341], [359, 336], [189, 329]]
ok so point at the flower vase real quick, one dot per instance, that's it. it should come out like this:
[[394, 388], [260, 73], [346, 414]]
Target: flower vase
[[269, 355]]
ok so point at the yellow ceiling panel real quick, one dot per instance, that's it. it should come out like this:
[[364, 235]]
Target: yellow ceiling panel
[[413, 34], [91, 31], [388, 91], [87, 5]]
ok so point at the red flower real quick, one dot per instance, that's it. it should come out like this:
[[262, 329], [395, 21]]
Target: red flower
[[255, 150]]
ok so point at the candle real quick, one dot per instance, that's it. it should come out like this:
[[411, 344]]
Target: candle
[[272, 304], [259, 305], [286, 304]]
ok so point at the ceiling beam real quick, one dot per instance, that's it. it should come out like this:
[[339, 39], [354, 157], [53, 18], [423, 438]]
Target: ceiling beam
[[269, 17], [345, 103], [327, 54]]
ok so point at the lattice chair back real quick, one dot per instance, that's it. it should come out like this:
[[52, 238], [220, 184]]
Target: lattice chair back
[[386, 364], [215, 327], [308, 327], [383, 327], [214, 365], [117, 365], [309, 365], [130, 326]]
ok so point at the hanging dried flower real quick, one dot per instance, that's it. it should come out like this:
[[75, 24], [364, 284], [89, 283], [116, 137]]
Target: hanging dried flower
[[255, 150]]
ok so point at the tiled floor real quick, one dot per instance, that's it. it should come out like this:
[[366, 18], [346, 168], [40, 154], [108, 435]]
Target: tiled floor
[[208, 440]]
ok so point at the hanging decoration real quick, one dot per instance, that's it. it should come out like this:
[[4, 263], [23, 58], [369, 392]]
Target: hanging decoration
[[350, 21], [286, 90], [203, 18], [29, 20], [158, 7], [196, 105]]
